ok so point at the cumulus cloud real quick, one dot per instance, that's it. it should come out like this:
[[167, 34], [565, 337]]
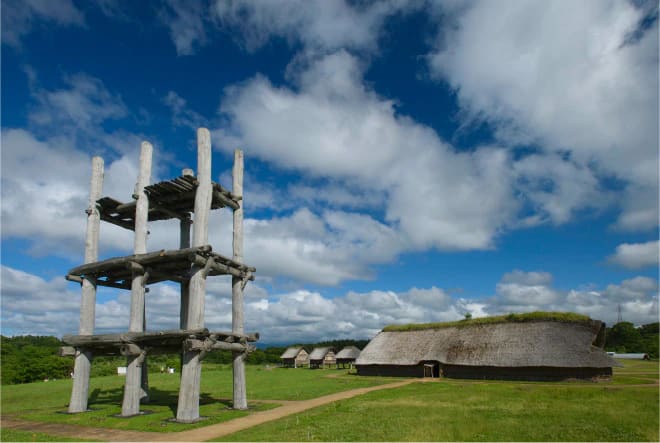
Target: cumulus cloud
[[520, 291], [19, 17], [45, 203], [317, 24], [332, 126], [556, 188], [32, 305], [54, 159], [186, 21], [182, 115], [324, 248], [636, 255], [84, 102], [577, 78]]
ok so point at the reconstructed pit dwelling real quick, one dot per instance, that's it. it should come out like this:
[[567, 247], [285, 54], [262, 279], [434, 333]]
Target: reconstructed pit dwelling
[[189, 266], [548, 346]]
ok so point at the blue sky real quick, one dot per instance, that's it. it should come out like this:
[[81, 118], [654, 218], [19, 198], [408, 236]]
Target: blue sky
[[406, 161]]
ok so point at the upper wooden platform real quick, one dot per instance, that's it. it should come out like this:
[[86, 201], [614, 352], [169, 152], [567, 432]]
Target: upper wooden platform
[[167, 200], [174, 265]]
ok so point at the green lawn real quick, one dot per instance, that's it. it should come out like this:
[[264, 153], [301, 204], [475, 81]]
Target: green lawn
[[473, 411], [638, 366], [45, 401], [15, 435], [445, 410]]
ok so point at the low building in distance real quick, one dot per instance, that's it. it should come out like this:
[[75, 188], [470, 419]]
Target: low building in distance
[[533, 346], [294, 357], [322, 357], [347, 356], [629, 356]]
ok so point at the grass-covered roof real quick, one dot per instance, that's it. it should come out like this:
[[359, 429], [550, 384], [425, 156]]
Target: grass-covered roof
[[539, 339], [566, 317]]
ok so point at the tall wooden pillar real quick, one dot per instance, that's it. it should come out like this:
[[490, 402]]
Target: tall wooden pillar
[[184, 242], [133, 385], [83, 362], [237, 320], [188, 406]]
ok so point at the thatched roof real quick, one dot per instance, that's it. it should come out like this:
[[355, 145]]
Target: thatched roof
[[564, 317], [291, 352], [517, 344], [319, 353], [349, 352]]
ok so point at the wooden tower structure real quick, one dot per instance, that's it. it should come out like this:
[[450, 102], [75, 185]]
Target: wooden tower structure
[[190, 265]]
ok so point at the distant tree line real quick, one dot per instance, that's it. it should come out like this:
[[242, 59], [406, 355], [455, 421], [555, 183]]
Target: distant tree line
[[28, 358], [625, 337]]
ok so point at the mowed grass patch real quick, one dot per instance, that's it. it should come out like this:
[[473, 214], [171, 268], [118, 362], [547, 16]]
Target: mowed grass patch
[[471, 411], [46, 401], [637, 366], [17, 435], [156, 417]]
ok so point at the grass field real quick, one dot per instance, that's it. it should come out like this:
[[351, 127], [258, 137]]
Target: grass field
[[441, 410], [14, 435], [455, 410], [45, 402]]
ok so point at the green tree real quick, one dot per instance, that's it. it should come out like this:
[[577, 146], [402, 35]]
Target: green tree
[[624, 337]]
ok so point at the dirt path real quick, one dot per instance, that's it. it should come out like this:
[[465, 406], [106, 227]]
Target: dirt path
[[200, 434], [229, 427]]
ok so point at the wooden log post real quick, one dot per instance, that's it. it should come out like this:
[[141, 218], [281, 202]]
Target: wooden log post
[[83, 362], [184, 243], [237, 320], [188, 405], [144, 381], [133, 389]]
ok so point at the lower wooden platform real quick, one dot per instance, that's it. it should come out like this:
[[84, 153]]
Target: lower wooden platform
[[160, 342]]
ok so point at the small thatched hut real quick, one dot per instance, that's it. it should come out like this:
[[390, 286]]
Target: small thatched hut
[[294, 356], [321, 357], [347, 356], [536, 346]]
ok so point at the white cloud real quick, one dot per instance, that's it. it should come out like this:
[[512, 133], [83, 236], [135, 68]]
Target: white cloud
[[557, 188], [325, 248], [45, 202], [335, 195], [520, 291], [527, 278], [632, 289], [186, 20], [83, 104], [636, 255], [334, 127], [317, 24], [182, 115], [19, 17], [45, 170], [569, 76], [31, 305]]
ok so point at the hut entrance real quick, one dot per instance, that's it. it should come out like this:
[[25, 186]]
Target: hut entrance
[[431, 370]]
